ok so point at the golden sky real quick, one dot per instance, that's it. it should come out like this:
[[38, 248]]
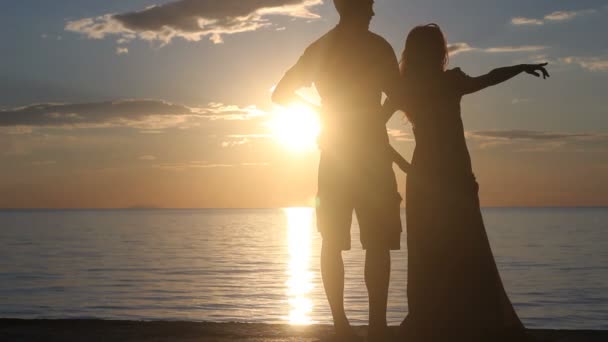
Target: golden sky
[[143, 109]]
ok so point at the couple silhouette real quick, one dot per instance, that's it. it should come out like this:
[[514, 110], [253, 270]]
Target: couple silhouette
[[454, 289]]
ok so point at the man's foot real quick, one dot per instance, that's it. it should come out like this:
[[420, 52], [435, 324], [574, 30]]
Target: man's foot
[[405, 329], [346, 332]]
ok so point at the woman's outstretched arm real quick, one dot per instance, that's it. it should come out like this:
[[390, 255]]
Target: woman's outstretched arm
[[500, 75]]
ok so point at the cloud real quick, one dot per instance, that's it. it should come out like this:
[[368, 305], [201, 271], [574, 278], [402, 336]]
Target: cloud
[[400, 135], [557, 16], [538, 141], [517, 101], [233, 143], [588, 63], [144, 114], [122, 50], [567, 15], [523, 48], [526, 21], [220, 111], [50, 36], [203, 165], [15, 130], [457, 48], [236, 140], [147, 115], [191, 20], [147, 158], [26, 144], [527, 135]]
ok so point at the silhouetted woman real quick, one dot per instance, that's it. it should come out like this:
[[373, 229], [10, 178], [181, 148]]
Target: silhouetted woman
[[454, 289]]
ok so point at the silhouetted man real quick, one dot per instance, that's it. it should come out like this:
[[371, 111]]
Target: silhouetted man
[[351, 68]]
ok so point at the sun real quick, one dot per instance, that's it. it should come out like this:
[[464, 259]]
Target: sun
[[295, 127]]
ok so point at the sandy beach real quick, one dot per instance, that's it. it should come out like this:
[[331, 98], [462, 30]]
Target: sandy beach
[[101, 330]]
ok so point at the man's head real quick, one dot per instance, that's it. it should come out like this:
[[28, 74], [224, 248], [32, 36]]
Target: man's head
[[358, 11]]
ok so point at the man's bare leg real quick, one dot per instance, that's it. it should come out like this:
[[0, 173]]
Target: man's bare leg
[[377, 276], [332, 272]]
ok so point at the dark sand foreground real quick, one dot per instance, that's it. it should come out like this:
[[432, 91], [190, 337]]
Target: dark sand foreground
[[98, 330]]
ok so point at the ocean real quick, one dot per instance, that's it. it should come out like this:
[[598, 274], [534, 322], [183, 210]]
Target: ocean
[[262, 265]]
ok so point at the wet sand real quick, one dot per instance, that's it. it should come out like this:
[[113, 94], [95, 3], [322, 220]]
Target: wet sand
[[100, 330]]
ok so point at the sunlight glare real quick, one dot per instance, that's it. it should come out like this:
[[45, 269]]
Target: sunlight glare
[[299, 285], [296, 127]]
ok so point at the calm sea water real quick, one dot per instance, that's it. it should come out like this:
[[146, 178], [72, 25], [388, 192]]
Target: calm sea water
[[262, 266]]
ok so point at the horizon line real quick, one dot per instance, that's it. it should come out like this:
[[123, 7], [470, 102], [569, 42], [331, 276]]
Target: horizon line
[[285, 207]]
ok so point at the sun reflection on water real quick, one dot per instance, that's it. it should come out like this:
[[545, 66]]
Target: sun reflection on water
[[299, 284]]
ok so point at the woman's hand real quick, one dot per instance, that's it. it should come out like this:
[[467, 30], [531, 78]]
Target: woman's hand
[[537, 70], [398, 159], [403, 165]]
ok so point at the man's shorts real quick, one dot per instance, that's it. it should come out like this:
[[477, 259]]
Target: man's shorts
[[367, 185]]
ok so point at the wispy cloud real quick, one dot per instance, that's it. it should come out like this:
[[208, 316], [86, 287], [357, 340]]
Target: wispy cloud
[[147, 115], [522, 48], [143, 114], [220, 111], [203, 165], [122, 50], [50, 36], [235, 140], [517, 101], [588, 63], [400, 135], [191, 20], [557, 16], [567, 15], [147, 158], [457, 48], [233, 143], [538, 141], [526, 21], [527, 135]]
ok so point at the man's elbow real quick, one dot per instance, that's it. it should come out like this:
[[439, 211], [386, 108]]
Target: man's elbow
[[275, 97], [279, 96]]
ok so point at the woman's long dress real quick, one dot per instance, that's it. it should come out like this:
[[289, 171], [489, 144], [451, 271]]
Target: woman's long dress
[[454, 289]]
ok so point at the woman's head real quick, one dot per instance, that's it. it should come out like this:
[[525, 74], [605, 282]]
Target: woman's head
[[425, 50]]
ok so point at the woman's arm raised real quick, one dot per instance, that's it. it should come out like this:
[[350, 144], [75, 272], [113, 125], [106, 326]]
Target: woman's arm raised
[[474, 84]]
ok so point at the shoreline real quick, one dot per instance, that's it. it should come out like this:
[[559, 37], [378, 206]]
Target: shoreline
[[107, 330]]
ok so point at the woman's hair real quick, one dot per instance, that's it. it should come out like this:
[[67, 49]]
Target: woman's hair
[[426, 49], [425, 53]]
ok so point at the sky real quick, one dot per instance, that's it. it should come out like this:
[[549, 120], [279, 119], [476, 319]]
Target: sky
[[151, 103]]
